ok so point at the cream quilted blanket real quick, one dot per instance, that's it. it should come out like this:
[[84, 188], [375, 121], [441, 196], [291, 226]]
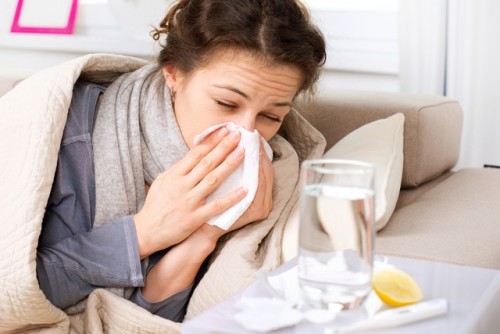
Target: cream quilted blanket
[[32, 118]]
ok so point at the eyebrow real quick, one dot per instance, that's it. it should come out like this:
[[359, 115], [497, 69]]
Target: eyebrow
[[239, 92]]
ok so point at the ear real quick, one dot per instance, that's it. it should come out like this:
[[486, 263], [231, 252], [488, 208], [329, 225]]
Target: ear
[[172, 76]]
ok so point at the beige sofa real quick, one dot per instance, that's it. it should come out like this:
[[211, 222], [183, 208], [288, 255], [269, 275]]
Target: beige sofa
[[441, 214]]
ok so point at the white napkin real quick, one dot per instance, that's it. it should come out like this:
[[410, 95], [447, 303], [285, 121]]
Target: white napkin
[[247, 174], [262, 314]]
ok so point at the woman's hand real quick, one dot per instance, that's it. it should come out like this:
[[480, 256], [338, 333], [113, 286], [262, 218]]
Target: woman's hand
[[261, 205], [178, 268], [175, 204]]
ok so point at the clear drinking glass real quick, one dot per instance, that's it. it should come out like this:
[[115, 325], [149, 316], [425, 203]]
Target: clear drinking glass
[[336, 238]]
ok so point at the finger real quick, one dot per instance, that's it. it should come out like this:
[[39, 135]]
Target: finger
[[267, 174], [213, 179], [215, 158], [199, 151], [268, 170], [221, 204], [262, 202]]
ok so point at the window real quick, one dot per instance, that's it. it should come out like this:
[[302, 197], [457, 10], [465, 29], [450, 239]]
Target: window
[[362, 35]]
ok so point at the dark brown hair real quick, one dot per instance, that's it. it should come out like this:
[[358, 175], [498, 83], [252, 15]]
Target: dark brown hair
[[280, 31]]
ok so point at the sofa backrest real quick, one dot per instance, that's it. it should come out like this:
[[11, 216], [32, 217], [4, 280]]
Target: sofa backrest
[[433, 126]]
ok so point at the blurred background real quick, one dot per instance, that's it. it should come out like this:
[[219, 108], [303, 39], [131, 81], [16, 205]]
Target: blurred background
[[440, 47]]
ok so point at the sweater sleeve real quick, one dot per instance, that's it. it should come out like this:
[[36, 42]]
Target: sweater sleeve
[[172, 308], [73, 258], [106, 256]]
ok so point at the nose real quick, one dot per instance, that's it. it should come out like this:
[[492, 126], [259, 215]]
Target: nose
[[247, 121]]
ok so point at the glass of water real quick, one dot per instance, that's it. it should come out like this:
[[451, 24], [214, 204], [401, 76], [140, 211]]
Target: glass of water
[[336, 235]]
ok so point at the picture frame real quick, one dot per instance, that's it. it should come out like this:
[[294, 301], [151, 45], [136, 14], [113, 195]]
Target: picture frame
[[45, 16]]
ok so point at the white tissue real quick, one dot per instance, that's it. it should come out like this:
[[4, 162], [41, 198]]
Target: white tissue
[[247, 174], [262, 314]]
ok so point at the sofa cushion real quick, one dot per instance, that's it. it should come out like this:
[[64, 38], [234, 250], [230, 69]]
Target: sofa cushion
[[433, 126], [407, 196], [455, 221], [379, 143]]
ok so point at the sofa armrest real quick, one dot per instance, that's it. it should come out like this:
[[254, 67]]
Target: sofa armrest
[[433, 126]]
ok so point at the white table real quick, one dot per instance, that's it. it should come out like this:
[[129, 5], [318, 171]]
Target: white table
[[473, 294]]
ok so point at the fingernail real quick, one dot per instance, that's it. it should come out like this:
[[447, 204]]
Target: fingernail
[[222, 133], [234, 135], [242, 191], [238, 153]]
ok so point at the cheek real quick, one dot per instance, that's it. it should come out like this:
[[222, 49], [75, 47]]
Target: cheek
[[193, 116], [267, 132], [190, 121]]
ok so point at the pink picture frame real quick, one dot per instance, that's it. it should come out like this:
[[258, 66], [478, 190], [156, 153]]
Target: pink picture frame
[[64, 19]]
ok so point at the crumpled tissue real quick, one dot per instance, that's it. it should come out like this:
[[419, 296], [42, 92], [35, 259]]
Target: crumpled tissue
[[247, 174], [266, 314]]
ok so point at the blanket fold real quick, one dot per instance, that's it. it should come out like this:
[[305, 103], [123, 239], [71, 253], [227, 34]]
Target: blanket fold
[[32, 118]]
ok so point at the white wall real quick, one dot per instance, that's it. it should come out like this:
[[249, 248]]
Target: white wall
[[362, 45], [332, 79], [96, 30]]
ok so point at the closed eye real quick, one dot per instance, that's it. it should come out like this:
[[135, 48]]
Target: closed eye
[[272, 118], [225, 105]]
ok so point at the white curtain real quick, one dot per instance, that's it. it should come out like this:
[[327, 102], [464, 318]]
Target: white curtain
[[470, 54], [422, 46]]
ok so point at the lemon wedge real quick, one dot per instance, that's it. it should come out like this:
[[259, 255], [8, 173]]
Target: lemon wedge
[[395, 287]]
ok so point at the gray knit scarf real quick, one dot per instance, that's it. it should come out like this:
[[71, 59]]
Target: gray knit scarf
[[135, 138]]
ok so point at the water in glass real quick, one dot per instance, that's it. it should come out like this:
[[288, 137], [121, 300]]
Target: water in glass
[[335, 244]]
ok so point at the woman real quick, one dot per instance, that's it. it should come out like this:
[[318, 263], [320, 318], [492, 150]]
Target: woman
[[127, 209]]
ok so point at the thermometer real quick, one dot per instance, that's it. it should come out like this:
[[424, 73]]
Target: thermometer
[[400, 316]]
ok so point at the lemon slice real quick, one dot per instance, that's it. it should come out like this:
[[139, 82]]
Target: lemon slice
[[395, 287]]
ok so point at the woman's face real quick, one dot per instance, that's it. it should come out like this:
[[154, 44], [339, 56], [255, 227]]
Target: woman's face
[[233, 87]]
